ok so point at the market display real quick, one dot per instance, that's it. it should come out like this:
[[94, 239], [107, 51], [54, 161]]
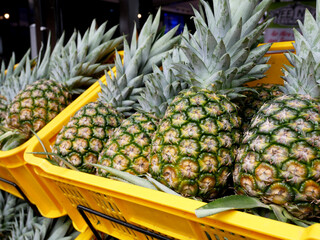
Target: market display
[[56, 79], [183, 114], [278, 160], [129, 147], [193, 150], [84, 137]]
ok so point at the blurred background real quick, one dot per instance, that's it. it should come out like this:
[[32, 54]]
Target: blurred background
[[25, 24]]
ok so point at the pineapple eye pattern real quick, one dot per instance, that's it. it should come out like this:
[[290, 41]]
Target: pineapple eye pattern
[[195, 144], [279, 155], [85, 135]]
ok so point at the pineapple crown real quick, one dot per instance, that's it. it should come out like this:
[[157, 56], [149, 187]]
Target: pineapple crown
[[221, 52], [161, 86], [83, 59], [9, 75], [12, 69], [10, 205], [29, 226], [124, 87], [308, 39], [27, 72], [303, 77]]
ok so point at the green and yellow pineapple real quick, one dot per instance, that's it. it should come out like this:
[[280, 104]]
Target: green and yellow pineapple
[[129, 147], [70, 70], [278, 160], [84, 137], [193, 150]]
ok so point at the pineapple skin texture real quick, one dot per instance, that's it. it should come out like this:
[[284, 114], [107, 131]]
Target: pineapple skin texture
[[279, 158], [250, 105], [82, 139], [194, 148], [129, 147], [3, 108], [37, 105]]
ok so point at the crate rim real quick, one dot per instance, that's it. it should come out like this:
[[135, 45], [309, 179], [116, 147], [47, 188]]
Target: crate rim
[[172, 202], [280, 47]]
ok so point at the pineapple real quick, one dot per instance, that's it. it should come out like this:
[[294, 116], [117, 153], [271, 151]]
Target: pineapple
[[70, 70], [15, 83], [83, 138], [193, 150], [129, 147], [278, 160], [251, 103]]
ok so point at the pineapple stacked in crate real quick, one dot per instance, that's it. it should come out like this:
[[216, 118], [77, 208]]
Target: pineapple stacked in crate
[[277, 164], [84, 137], [7, 75], [164, 213], [39, 93], [282, 167], [129, 147], [194, 147], [117, 98]]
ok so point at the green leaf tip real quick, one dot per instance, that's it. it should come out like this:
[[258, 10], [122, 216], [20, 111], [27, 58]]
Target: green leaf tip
[[229, 203]]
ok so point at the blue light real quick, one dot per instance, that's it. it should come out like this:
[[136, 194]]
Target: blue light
[[171, 20]]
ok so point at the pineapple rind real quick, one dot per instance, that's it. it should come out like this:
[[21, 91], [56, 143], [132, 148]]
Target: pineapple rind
[[129, 147], [8, 75], [278, 160], [38, 104], [83, 138], [73, 67], [192, 151], [251, 103]]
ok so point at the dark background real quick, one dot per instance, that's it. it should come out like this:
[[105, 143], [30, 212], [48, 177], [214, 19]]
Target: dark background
[[58, 16]]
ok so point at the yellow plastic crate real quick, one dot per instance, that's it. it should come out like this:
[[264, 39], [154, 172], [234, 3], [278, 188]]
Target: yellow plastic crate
[[13, 169], [126, 205], [86, 235]]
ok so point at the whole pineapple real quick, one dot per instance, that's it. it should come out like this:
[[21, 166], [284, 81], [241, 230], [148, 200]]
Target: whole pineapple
[[129, 147], [83, 138], [193, 150], [278, 160], [70, 70], [25, 73]]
